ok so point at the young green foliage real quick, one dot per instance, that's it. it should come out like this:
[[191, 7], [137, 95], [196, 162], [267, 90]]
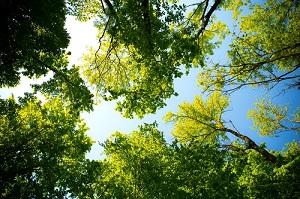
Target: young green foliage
[[270, 119], [142, 165], [135, 164], [265, 51], [200, 120], [68, 85], [203, 121], [40, 145], [141, 51]]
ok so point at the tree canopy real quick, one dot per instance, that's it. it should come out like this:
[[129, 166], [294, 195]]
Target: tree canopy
[[32, 38], [143, 165], [265, 50], [143, 46], [141, 52], [42, 146]]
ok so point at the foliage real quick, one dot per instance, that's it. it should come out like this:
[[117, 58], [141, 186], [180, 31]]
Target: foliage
[[265, 51], [142, 165], [270, 119], [257, 178], [42, 146], [32, 36], [142, 51], [68, 86], [199, 120], [33, 41], [203, 121], [200, 172], [135, 165]]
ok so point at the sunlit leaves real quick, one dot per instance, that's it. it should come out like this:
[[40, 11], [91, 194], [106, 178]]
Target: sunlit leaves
[[142, 165], [199, 120], [212, 78], [268, 42], [264, 50], [199, 171], [143, 47], [257, 178], [270, 119], [39, 143], [135, 163], [69, 86], [84, 9], [236, 6], [142, 51]]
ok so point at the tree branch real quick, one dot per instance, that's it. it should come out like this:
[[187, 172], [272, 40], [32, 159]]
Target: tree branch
[[252, 145], [206, 18]]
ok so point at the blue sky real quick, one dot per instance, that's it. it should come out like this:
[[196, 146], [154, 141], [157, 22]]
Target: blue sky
[[104, 120]]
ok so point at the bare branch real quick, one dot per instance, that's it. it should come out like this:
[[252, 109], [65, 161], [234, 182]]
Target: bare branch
[[101, 37], [276, 79]]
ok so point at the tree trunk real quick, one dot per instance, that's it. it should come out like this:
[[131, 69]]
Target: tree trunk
[[252, 145]]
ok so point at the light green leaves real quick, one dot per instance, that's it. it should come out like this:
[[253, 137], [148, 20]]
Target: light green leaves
[[268, 43], [68, 86], [135, 163], [236, 6], [39, 144], [270, 119], [199, 120], [142, 51], [264, 50], [267, 118]]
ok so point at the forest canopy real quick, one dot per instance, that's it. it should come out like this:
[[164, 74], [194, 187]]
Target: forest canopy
[[143, 47]]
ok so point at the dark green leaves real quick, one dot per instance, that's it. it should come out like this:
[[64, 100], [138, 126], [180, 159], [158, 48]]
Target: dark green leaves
[[32, 36], [68, 85]]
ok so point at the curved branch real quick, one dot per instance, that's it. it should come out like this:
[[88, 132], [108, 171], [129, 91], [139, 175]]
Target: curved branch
[[249, 142], [252, 145]]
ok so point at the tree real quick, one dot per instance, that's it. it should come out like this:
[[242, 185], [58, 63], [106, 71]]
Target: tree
[[255, 172], [203, 121], [255, 58], [43, 147], [136, 165], [68, 86], [200, 171], [33, 42], [32, 37], [142, 50], [265, 50], [258, 178], [143, 165], [270, 119]]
